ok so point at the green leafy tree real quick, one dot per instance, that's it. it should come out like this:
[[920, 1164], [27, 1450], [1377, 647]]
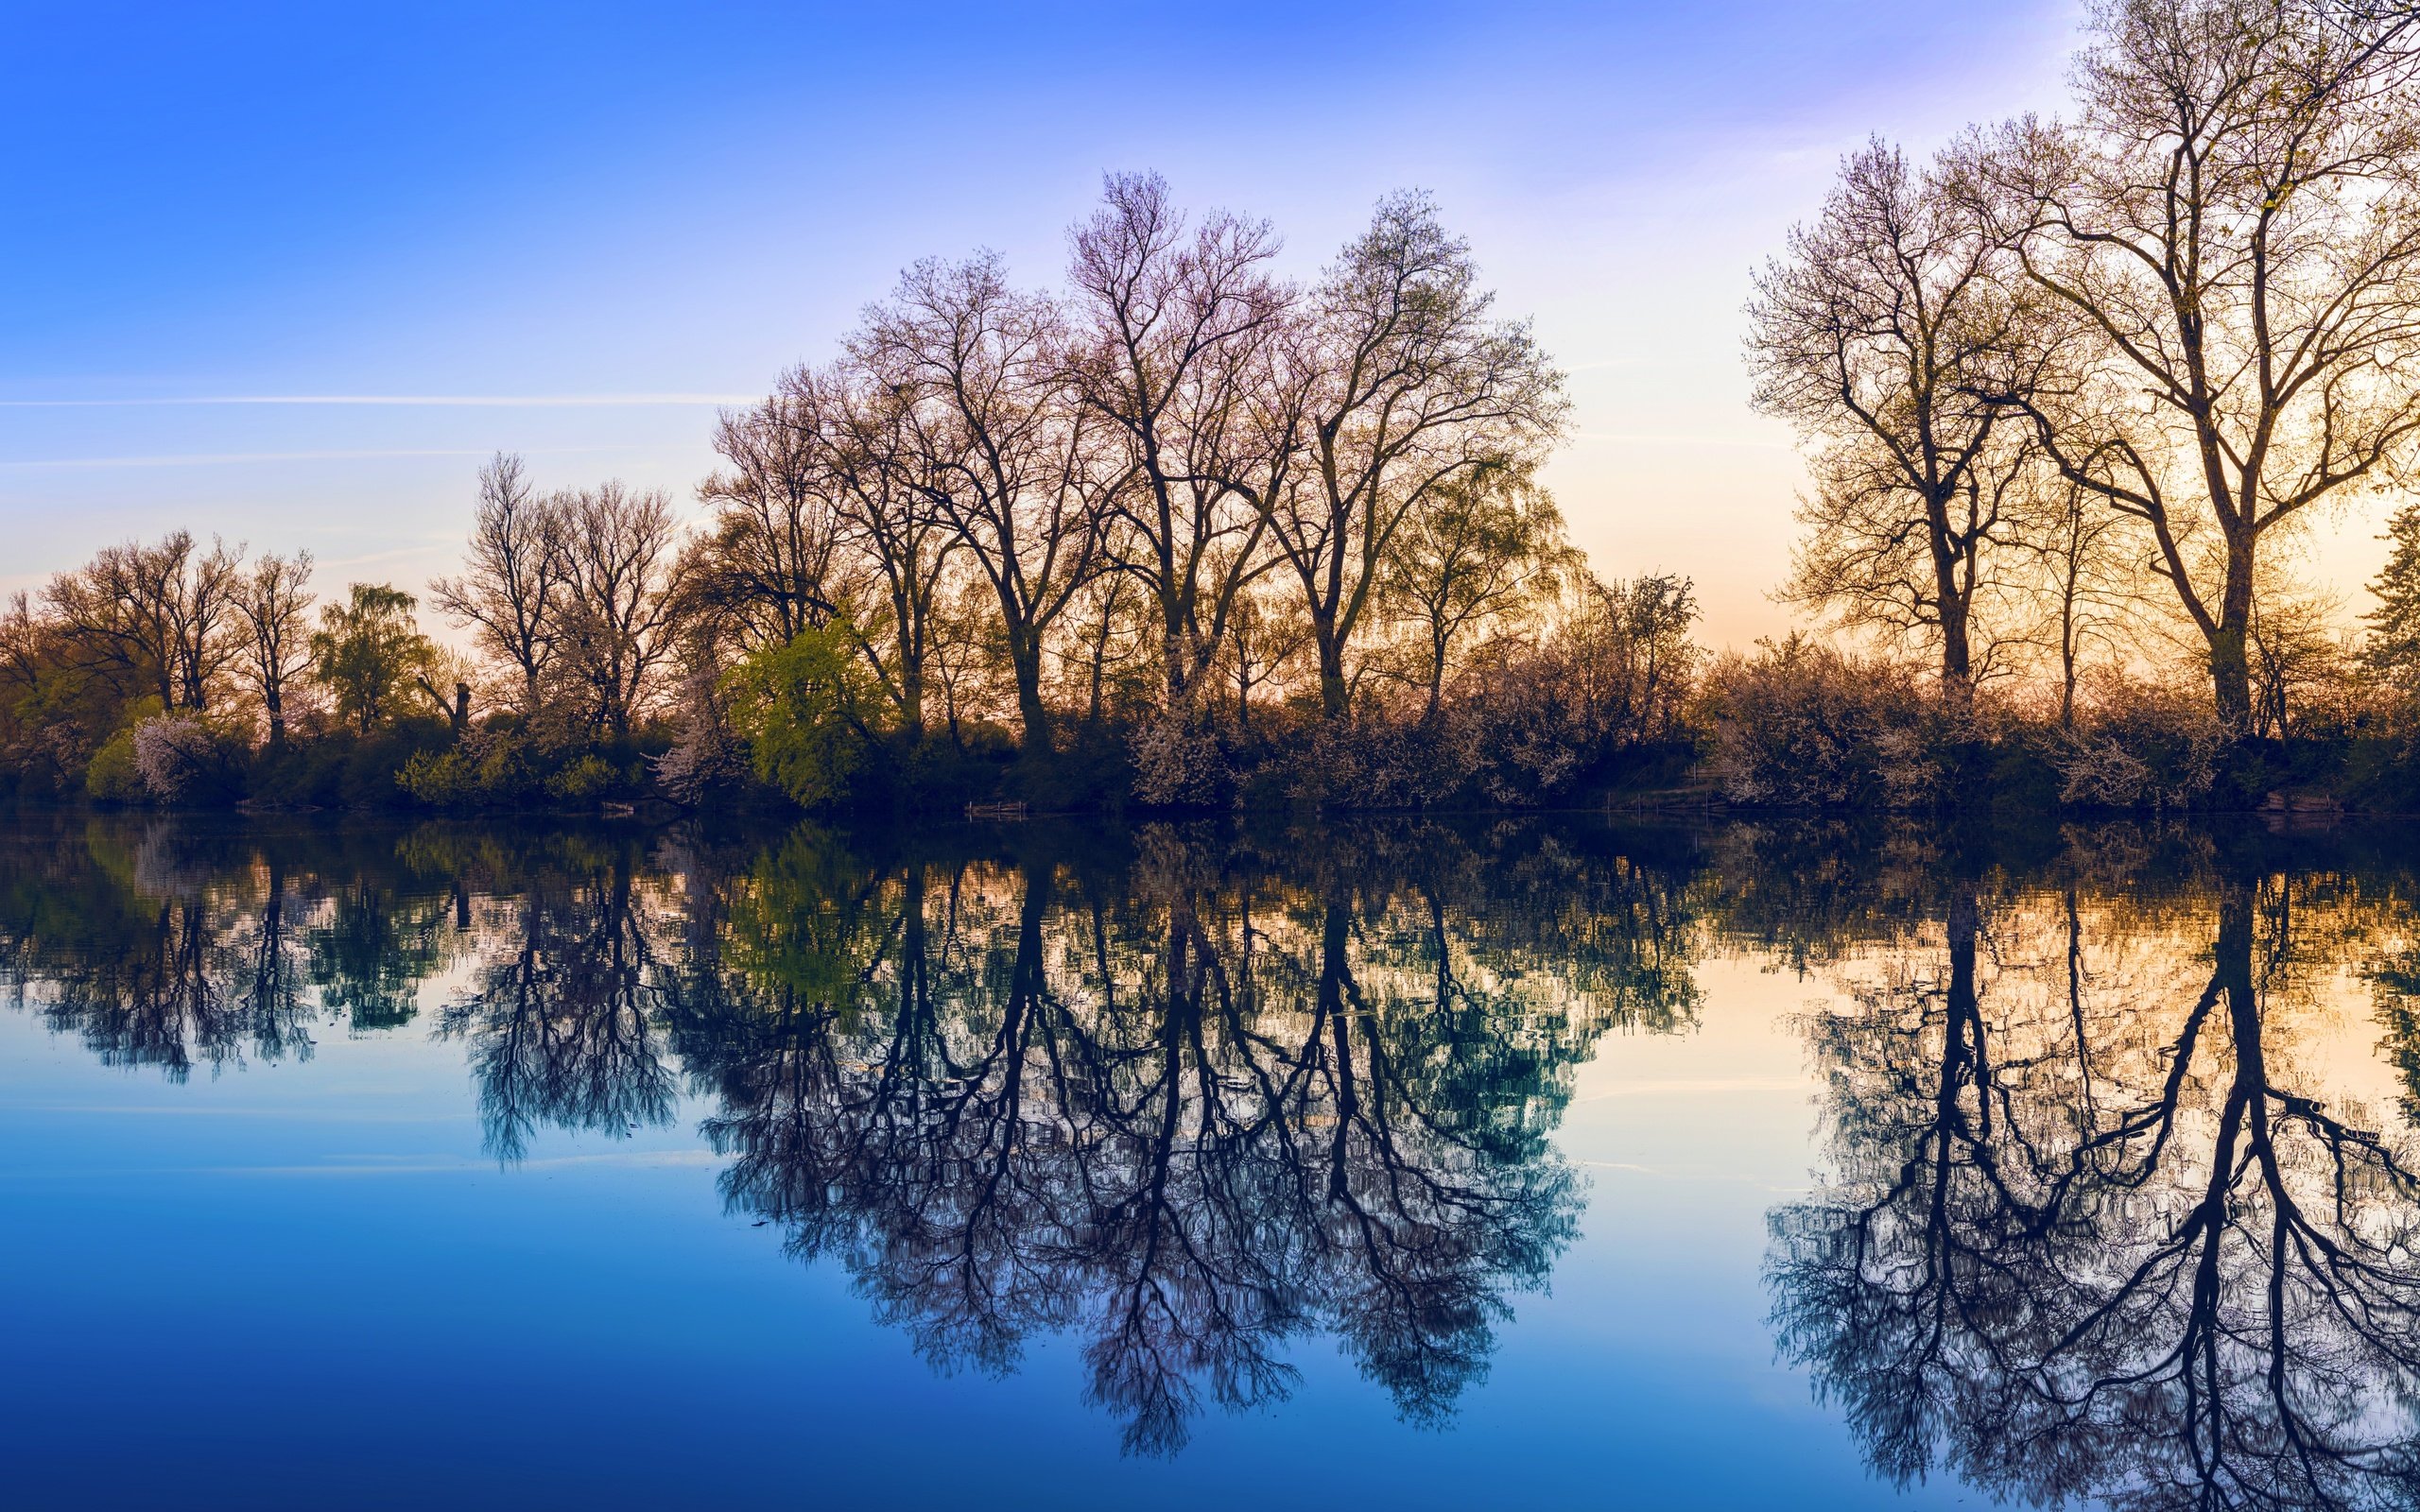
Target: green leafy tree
[[801, 707], [370, 653]]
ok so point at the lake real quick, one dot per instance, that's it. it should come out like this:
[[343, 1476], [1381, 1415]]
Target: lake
[[1391, 1162]]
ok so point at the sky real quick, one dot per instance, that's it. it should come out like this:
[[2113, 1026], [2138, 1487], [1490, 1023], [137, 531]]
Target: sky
[[288, 273]]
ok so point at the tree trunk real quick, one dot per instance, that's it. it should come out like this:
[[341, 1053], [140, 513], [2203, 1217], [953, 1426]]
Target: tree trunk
[[1335, 697], [1173, 656], [2067, 649], [1437, 643], [1957, 662], [1025, 659], [911, 700], [1955, 609], [2230, 649]]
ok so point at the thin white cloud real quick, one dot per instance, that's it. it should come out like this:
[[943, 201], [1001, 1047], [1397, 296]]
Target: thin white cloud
[[201, 458], [207, 458], [455, 400]]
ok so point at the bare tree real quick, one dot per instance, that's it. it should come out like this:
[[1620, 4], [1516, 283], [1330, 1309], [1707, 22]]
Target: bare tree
[[884, 482], [156, 614], [618, 616], [112, 617], [1176, 319], [1269, 634], [203, 622], [513, 585], [2235, 220], [1409, 384], [2083, 584], [965, 657], [1879, 335], [1017, 469], [767, 558], [274, 600], [1109, 637]]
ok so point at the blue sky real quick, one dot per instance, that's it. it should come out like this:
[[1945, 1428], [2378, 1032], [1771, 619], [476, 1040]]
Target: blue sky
[[567, 231]]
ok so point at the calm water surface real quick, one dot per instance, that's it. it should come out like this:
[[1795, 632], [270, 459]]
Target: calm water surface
[[1403, 1163]]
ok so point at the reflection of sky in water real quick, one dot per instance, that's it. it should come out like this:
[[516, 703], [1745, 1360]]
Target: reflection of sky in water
[[307, 1284]]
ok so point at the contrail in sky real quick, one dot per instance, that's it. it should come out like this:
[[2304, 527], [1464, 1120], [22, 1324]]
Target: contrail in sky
[[459, 400], [201, 458]]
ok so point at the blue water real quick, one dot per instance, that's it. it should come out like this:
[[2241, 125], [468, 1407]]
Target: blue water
[[333, 1275]]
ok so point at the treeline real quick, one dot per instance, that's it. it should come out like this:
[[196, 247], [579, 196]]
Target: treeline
[[1185, 532], [2071, 390], [1182, 532]]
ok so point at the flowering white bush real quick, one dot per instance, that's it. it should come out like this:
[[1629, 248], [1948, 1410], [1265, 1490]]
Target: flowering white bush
[[172, 752]]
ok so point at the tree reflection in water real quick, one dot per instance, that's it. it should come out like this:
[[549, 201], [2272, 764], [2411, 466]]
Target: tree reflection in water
[[1191, 1101], [2094, 1224], [564, 1026], [1188, 1110], [2090, 1231]]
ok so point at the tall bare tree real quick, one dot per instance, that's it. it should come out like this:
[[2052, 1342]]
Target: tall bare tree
[[767, 554], [514, 581], [1019, 471], [883, 484], [1175, 322], [1886, 338], [2235, 219], [274, 600], [204, 623], [619, 606], [1408, 384], [154, 616]]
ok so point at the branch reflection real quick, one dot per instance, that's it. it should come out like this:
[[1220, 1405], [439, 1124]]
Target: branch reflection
[[1192, 1099], [2092, 1230], [1190, 1113]]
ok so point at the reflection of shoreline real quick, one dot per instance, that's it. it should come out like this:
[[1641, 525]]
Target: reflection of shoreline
[[1191, 1105], [1199, 1099]]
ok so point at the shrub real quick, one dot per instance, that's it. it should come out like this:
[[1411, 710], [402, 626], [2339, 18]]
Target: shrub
[[1179, 760], [1377, 760], [111, 775], [2142, 745], [182, 755], [1801, 725], [589, 777], [704, 759]]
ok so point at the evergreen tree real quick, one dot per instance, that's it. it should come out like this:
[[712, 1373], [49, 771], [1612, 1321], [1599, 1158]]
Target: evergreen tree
[[2393, 647]]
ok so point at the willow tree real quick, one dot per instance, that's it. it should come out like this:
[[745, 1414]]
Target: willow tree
[[2234, 221], [369, 654], [1886, 338]]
